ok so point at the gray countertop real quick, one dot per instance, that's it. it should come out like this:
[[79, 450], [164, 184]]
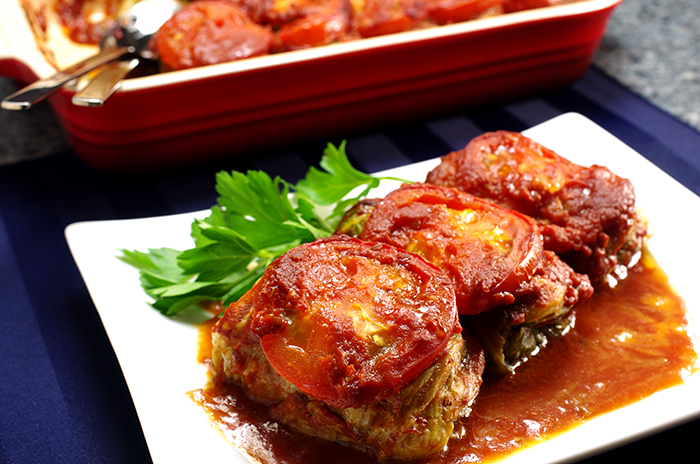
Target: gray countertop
[[651, 46]]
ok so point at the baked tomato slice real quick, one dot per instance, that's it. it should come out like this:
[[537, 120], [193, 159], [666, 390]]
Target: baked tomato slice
[[586, 214], [488, 251], [209, 32], [318, 28], [349, 322], [455, 11], [511, 6], [381, 17]]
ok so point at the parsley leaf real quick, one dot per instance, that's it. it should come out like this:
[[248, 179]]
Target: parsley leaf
[[339, 178], [256, 219]]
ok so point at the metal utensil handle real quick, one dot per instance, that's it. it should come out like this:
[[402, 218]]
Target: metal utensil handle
[[102, 86], [43, 88]]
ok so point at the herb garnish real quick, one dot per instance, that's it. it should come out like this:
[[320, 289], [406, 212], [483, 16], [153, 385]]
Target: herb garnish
[[257, 219]]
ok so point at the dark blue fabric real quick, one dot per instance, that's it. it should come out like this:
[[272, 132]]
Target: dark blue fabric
[[63, 398]]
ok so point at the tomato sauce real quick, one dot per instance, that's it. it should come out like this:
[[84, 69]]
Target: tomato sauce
[[628, 343], [84, 21]]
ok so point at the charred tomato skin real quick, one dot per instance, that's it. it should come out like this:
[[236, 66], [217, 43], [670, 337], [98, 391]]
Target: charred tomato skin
[[348, 322]]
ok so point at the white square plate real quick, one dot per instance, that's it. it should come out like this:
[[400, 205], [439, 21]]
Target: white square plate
[[158, 355]]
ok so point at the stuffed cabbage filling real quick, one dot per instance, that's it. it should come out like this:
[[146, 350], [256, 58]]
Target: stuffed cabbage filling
[[511, 292], [354, 342]]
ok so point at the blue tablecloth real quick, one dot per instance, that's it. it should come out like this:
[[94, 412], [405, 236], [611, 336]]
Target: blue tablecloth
[[63, 398]]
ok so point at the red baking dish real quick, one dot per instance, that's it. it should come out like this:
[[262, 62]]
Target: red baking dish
[[178, 118]]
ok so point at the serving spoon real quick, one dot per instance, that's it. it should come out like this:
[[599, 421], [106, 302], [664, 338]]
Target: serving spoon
[[131, 35]]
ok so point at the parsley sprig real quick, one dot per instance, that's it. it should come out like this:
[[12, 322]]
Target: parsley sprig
[[256, 219]]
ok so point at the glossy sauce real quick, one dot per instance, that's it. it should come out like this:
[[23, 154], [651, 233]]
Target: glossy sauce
[[86, 21], [627, 343]]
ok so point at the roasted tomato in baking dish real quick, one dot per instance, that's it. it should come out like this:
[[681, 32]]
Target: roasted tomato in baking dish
[[455, 11], [380, 17], [362, 335], [511, 6], [586, 214], [302, 24], [513, 293], [324, 22], [209, 32]]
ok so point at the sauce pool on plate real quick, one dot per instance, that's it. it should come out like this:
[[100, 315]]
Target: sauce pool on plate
[[627, 343]]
